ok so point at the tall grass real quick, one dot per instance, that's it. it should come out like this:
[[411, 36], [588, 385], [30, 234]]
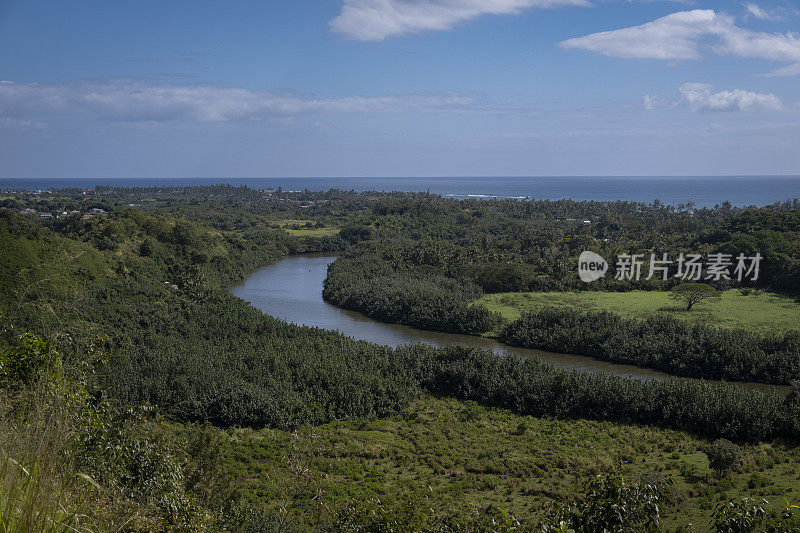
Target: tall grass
[[32, 499], [39, 490]]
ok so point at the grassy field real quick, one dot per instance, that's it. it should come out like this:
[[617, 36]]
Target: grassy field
[[757, 312], [456, 456], [312, 232], [296, 227]]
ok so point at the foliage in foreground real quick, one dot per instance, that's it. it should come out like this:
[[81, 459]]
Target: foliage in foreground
[[462, 457], [111, 467], [609, 504], [749, 516]]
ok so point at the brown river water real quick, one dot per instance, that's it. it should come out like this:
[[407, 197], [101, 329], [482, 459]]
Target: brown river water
[[291, 289]]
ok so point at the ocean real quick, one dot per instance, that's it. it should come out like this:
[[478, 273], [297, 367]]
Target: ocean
[[704, 191]]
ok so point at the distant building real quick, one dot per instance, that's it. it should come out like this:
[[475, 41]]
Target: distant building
[[97, 211]]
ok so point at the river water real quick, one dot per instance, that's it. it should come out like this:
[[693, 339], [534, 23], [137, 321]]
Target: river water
[[291, 289]]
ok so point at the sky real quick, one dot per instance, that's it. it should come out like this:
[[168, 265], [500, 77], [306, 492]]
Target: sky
[[111, 89]]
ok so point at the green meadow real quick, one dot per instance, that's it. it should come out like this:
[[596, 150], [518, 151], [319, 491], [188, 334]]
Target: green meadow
[[299, 228], [457, 457], [312, 232], [758, 311]]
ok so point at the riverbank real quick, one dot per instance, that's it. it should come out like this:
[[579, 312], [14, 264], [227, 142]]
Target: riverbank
[[291, 289]]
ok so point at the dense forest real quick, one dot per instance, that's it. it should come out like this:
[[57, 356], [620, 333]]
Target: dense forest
[[118, 323], [533, 388], [424, 261], [661, 342], [368, 283]]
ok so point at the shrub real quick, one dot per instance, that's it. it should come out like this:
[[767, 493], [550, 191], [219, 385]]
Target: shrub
[[27, 359], [749, 516], [610, 504], [723, 456]]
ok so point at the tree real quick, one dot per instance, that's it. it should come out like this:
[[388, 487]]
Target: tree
[[723, 456], [693, 293]]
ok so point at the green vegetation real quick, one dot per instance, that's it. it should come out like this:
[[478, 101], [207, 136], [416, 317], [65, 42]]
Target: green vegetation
[[193, 349], [423, 261], [756, 311], [661, 342], [304, 228], [460, 458], [396, 289], [534, 388], [611, 504], [691, 294], [138, 395], [292, 222], [313, 232], [723, 456], [367, 283], [748, 516]]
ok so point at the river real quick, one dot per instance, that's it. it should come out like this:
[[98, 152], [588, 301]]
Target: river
[[291, 289]]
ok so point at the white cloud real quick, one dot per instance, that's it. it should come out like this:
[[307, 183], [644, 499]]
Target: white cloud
[[133, 101], [701, 98], [759, 13], [789, 70], [685, 35], [650, 101], [672, 37], [375, 20]]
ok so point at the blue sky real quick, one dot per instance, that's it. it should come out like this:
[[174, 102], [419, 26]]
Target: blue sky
[[398, 88]]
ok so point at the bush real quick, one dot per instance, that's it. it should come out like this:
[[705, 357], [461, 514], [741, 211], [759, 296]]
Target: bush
[[418, 515], [27, 359], [749, 516], [610, 504], [723, 456]]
